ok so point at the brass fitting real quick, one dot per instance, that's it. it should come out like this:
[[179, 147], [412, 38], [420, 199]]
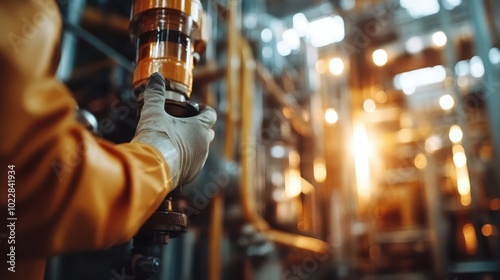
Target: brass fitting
[[169, 36]]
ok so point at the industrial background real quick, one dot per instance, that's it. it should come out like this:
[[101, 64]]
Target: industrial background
[[356, 139]]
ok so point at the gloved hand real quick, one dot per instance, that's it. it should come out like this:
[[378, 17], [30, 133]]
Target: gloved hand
[[183, 142]]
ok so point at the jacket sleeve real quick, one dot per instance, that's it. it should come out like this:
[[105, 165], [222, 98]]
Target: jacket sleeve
[[73, 192]]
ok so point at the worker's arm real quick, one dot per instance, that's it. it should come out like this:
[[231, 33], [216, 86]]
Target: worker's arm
[[74, 192]]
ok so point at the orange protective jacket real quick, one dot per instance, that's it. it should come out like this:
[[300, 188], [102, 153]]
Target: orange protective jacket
[[73, 192]]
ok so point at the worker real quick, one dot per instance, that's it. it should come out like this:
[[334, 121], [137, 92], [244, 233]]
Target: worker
[[69, 191]]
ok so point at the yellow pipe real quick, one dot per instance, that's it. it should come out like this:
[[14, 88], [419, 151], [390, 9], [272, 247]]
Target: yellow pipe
[[233, 65], [248, 145], [215, 237], [248, 156]]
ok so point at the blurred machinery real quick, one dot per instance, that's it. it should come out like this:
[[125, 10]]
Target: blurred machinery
[[356, 139]]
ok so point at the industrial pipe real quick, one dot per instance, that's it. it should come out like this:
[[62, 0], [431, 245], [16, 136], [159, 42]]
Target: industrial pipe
[[233, 66], [248, 156], [215, 237]]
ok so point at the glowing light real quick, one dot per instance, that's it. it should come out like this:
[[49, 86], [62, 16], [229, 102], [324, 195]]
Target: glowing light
[[321, 66], [409, 90], [266, 35], [414, 45], [462, 174], [455, 134], [487, 230], [380, 57], [462, 68], [293, 183], [293, 179], [433, 143], [336, 66], [494, 55], [361, 162], [446, 102], [327, 30], [470, 239], [319, 170], [278, 151], [300, 24], [409, 81], [369, 105], [422, 8], [459, 159], [283, 48], [331, 116], [291, 38], [420, 161], [476, 67], [465, 200], [439, 39], [451, 4]]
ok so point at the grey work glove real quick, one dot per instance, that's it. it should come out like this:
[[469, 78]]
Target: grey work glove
[[183, 142]]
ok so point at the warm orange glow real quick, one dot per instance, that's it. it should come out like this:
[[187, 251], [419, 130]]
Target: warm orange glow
[[369, 105], [463, 187], [287, 113], [361, 161], [439, 39], [319, 170], [380, 57], [420, 161], [293, 179], [495, 204], [462, 174], [470, 239], [293, 183], [487, 230], [336, 66], [465, 200], [446, 102], [455, 134], [294, 159], [331, 116]]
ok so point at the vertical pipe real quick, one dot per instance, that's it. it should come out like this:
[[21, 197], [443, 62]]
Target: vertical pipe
[[188, 241], [437, 228], [215, 237], [313, 84], [248, 157], [233, 66], [491, 84]]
